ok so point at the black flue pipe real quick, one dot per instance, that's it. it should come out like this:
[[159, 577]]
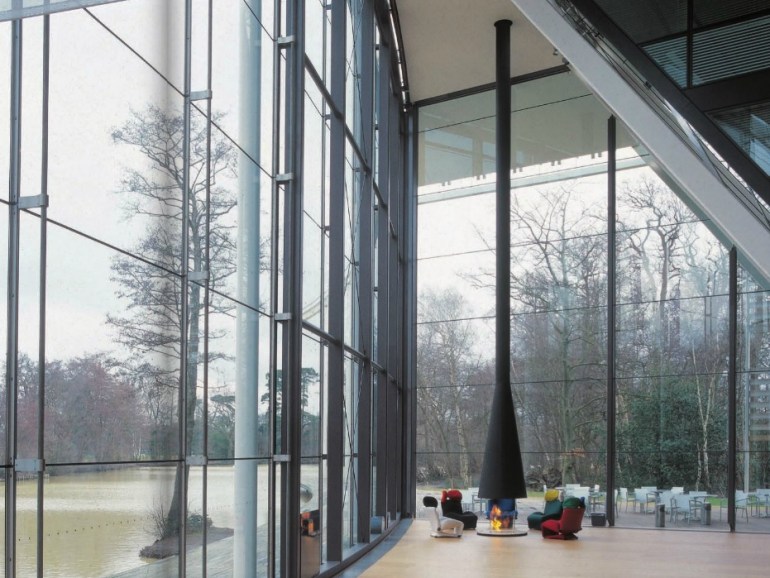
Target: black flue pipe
[[502, 474]]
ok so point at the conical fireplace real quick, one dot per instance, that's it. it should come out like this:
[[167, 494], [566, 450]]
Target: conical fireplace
[[502, 474]]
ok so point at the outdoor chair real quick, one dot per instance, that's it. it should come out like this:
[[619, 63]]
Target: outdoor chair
[[621, 497], [474, 495], [680, 506], [441, 527], [597, 500], [664, 498], [697, 499], [763, 499], [742, 503], [643, 497]]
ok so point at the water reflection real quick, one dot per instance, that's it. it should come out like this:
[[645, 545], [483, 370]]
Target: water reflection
[[95, 523]]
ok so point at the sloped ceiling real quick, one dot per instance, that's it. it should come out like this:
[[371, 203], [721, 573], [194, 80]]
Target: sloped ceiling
[[449, 45]]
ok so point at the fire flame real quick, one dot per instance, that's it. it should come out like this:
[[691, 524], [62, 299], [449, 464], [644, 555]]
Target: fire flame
[[496, 519]]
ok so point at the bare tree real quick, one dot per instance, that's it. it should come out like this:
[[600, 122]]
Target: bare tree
[[447, 364], [153, 325], [558, 290]]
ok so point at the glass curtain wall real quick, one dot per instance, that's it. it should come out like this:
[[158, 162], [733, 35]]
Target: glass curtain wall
[[672, 337], [671, 309], [158, 381], [558, 284], [752, 401]]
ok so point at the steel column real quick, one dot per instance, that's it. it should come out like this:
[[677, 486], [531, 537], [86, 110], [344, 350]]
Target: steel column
[[394, 384], [611, 298], [291, 421], [502, 473], [11, 374], [337, 313], [365, 259], [185, 427], [503, 205], [207, 293], [248, 287], [409, 348], [275, 265], [42, 303], [732, 402], [383, 248]]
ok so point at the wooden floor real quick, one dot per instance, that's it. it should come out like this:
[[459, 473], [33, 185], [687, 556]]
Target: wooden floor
[[600, 552]]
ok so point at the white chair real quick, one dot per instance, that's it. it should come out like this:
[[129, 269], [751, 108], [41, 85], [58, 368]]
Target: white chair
[[643, 497], [763, 498], [622, 497], [597, 499], [697, 499], [680, 506], [742, 502], [664, 498], [441, 527], [474, 495], [677, 490], [580, 492]]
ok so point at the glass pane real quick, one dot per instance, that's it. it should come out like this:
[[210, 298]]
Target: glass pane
[[99, 523], [647, 21], [115, 142], [221, 384], [12, 9], [5, 104], [199, 44], [198, 525], [155, 31], [709, 12], [112, 349], [196, 387], [311, 397], [28, 378], [27, 504], [672, 351], [32, 99], [315, 196], [4, 473], [352, 247], [317, 29], [730, 50], [310, 515], [749, 127], [242, 81], [238, 383], [671, 56], [377, 112], [353, 66], [350, 460], [753, 404]]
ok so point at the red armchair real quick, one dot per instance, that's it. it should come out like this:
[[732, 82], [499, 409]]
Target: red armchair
[[565, 527]]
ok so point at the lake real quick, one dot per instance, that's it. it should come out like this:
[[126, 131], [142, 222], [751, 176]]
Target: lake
[[95, 523]]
